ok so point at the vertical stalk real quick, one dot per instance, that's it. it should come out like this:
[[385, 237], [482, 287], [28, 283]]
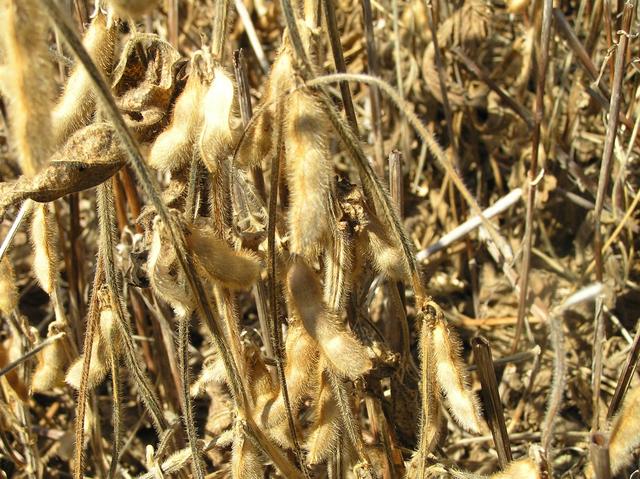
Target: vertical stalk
[[543, 60], [374, 92], [341, 66], [491, 400], [603, 182]]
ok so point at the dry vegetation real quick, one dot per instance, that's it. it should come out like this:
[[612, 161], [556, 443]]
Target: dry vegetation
[[245, 239]]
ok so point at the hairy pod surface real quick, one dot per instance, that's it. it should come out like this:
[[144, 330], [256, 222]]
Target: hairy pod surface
[[52, 362], [220, 122], [259, 141], [452, 378], [8, 289], [309, 174], [235, 270], [324, 438], [166, 276], [29, 84], [339, 346], [174, 147], [45, 259], [77, 104]]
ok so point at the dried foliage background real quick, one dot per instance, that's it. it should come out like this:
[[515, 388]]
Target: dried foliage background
[[198, 211]]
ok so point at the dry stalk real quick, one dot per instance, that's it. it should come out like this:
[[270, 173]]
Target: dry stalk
[[603, 181], [491, 400], [543, 63]]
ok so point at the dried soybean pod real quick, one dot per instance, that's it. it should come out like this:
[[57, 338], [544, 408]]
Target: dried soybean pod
[[220, 120], [324, 438], [77, 104], [301, 361], [28, 81], [165, 275], [52, 361], [451, 375], [245, 458], [174, 147], [45, 259], [100, 363], [625, 434], [430, 393], [386, 254], [339, 346], [259, 142], [235, 270], [8, 289], [309, 174]]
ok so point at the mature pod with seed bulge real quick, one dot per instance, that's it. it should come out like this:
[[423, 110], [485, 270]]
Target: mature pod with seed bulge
[[301, 353], [625, 435], [165, 274], [309, 174], [52, 361], [235, 270], [45, 259], [174, 147], [452, 379], [8, 289], [259, 139], [245, 459], [387, 255], [219, 124], [323, 440], [430, 415], [100, 363], [342, 350], [76, 106], [27, 80]]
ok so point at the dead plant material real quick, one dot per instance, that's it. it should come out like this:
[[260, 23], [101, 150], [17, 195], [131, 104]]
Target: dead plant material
[[162, 216]]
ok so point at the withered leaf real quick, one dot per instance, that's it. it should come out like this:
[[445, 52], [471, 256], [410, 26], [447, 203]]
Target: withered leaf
[[144, 83], [91, 156]]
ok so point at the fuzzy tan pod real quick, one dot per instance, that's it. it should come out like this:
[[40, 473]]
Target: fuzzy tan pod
[[28, 86], [220, 122], [43, 237], [520, 469], [8, 288], [625, 435], [323, 440], [133, 8], [301, 362], [174, 147], [245, 458], [100, 360], [165, 273], [52, 362], [388, 258], [235, 270], [259, 139], [339, 346], [309, 174], [452, 379], [77, 104]]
